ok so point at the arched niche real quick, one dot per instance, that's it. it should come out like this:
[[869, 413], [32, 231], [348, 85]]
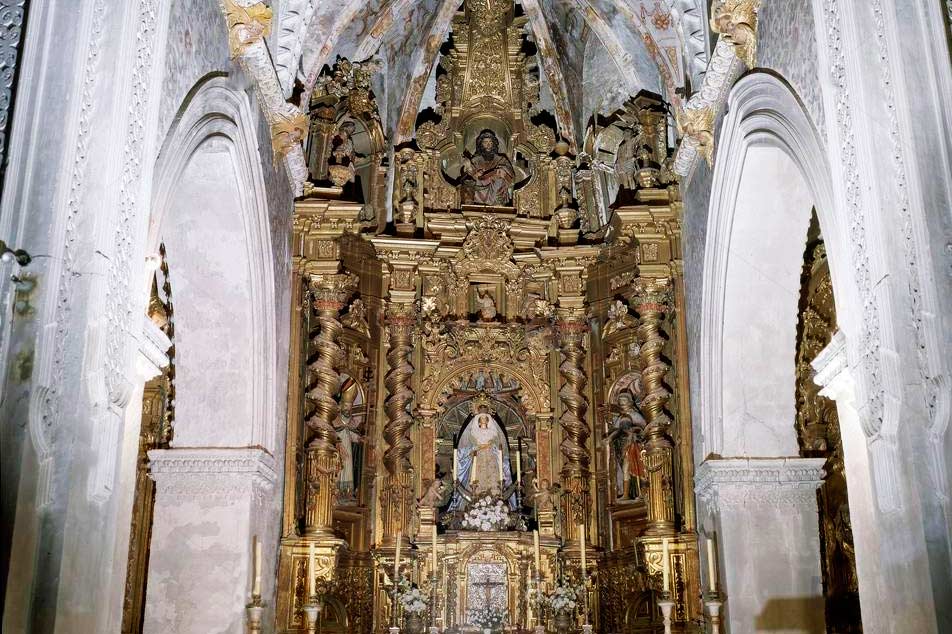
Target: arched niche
[[532, 388], [211, 210], [771, 173]]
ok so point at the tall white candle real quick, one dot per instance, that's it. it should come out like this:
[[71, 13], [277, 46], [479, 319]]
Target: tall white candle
[[396, 557], [535, 544], [665, 572], [455, 465], [519, 466], [434, 551], [310, 570], [256, 587], [581, 532], [711, 566]]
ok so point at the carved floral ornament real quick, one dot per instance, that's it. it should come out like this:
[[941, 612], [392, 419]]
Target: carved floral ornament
[[514, 350], [736, 21], [287, 132], [246, 25]]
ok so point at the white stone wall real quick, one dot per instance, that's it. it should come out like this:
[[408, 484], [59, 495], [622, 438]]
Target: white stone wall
[[104, 83], [880, 181]]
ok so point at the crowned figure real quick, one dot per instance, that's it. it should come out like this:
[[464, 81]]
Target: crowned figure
[[483, 456]]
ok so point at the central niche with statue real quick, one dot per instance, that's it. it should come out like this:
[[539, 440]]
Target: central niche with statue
[[479, 430]]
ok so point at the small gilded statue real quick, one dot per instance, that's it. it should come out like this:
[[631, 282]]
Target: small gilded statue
[[341, 162], [486, 305], [487, 176]]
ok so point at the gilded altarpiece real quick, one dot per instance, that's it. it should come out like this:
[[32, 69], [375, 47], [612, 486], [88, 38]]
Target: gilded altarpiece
[[818, 431], [488, 386]]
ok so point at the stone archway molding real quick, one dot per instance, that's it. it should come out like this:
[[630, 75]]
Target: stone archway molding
[[214, 108]]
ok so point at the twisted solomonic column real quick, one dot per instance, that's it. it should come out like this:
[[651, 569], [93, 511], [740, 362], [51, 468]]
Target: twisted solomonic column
[[329, 293], [398, 493], [651, 298], [571, 326]]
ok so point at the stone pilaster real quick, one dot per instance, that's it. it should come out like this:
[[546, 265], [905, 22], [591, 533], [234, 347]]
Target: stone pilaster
[[764, 513], [209, 504]]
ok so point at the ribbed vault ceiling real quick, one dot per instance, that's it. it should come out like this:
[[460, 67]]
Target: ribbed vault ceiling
[[593, 54]]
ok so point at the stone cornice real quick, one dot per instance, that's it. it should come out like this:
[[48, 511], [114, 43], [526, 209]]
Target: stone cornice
[[751, 482], [212, 472]]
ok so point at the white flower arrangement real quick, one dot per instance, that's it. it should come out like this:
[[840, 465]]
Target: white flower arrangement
[[563, 598], [411, 598], [487, 514], [487, 617]]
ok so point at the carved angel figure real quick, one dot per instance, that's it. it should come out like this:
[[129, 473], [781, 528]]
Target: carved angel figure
[[435, 496], [356, 317], [545, 497], [736, 20]]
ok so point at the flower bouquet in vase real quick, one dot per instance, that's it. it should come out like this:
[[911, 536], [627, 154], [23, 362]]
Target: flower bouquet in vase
[[488, 618], [486, 514], [414, 604], [562, 602]]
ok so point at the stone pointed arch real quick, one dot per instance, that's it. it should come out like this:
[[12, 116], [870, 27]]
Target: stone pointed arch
[[214, 110], [763, 113]]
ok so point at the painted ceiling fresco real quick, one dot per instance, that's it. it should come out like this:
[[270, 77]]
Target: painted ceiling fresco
[[592, 54]]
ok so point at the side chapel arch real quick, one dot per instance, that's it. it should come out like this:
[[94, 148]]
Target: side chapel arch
[[765, 119], [214, 112]]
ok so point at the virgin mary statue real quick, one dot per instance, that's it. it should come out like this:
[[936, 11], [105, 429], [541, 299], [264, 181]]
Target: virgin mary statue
[[481, 452]]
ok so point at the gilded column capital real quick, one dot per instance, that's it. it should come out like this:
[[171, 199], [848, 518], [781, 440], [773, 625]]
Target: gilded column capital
[[651, 295], [330, 291]]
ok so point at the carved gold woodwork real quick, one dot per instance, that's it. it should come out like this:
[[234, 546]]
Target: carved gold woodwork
[[539, 311], [328, 293], [818, 432]]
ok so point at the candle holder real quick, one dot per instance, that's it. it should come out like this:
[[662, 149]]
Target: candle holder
[[666, 604], [255, 610], [312, 613], [433, 628], [713, 601]]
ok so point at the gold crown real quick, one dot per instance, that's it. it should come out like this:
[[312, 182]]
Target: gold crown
[[481, 401]]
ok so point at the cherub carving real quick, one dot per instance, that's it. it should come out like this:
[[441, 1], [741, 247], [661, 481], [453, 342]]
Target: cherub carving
[[356, 317], [435, 496], [545, 497]]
